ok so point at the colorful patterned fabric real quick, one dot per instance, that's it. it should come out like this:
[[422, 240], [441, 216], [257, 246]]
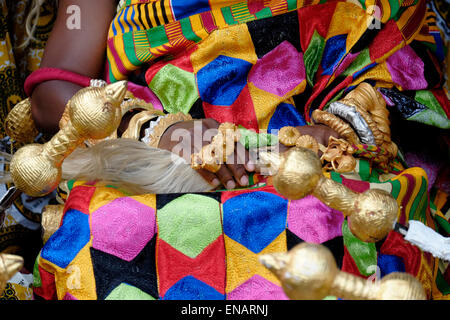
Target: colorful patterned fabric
[[213, 59], [206, 245], [20, 225]]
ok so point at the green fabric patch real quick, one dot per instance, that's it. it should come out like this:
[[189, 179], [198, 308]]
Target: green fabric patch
[[428, 99], [362, 60], [157, 36], [130, 50], [442, 285], [264, 13], [313, 56], [127, 292], [190, 223], [432, 118], [176, 88], [364, 254], [186, 29], [228, 16], [37, 282]]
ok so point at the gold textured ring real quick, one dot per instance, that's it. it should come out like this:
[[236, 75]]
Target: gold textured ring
[[288, 136], [337, 124]]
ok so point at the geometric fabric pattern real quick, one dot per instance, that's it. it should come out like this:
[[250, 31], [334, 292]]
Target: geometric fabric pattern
[[206, 245]]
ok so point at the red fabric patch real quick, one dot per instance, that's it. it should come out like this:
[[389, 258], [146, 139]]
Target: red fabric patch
[[182, 61], [440, 96], [356, 185], [255, 6], [388, 38], [208, 21], [48, 289], [79, 199], [317, 17], [396, 245], [227, 195], [209, 266], [241, 112], [318, 87], [349, 265]]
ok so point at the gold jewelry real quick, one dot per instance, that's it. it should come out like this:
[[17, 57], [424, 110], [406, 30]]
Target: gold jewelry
[[19, 124], [288, 136], [51, 220], [309, 272], [165, 123], [212, 156], [94, 114], [337, 124], [134, 127], [371, 214], [9, 266], [339, 154]]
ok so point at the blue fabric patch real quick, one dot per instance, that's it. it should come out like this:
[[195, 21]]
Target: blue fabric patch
[[221, 81], [390, 263], [333, 52], [285, 115], [186, 8], [255, 219], [63, 246], [189, 288]]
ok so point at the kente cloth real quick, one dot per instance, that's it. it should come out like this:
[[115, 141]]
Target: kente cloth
[[111, 245], [268, 64], [20, 225]]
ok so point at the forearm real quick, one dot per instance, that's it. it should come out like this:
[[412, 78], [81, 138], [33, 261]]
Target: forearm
[[78, 50]]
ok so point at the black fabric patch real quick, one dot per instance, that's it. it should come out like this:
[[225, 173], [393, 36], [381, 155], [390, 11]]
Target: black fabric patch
[[365, 39], [432, 72], [336, 246], [197, 111], [292, 239], [270, 32], [110, 271], [163, 199]]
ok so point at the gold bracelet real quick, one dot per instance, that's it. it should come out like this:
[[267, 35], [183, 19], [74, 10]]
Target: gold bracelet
[[212, 156], [165, 123]]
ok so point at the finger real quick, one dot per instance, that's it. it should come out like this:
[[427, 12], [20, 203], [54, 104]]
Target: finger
[[210, 177], [226, 177], [239, 173]]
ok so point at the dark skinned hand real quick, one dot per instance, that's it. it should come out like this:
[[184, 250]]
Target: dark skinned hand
[[180, 138]]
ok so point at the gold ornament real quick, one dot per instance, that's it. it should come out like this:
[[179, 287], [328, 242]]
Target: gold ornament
[[288, 136], [339, 154], [337, 124], [19, 124], [133, 130], [51, 220], [9, 266], [371, 214], [94, 114], [164, 124], [213, 155], [309, 272]]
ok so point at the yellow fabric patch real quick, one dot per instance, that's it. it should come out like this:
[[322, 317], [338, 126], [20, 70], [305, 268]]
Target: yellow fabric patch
[[265, 104], [242, 264], [234, 42], [148, 199], [103, 196], [78, 278]]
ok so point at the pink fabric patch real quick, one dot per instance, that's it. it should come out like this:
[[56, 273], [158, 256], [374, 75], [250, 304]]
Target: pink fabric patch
[[283, 66], [407, 69], [257, 288], [68, 296], [145, 94], [123, 227], [313, 221]]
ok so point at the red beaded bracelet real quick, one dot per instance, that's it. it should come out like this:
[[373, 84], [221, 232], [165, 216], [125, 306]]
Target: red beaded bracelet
[[47, 74]]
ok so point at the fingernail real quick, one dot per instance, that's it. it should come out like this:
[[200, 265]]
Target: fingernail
[[231, 184], [215, 182], [244, 181], [250, 166]]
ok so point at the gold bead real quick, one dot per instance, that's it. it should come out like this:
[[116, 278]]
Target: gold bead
[[298, 174]]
